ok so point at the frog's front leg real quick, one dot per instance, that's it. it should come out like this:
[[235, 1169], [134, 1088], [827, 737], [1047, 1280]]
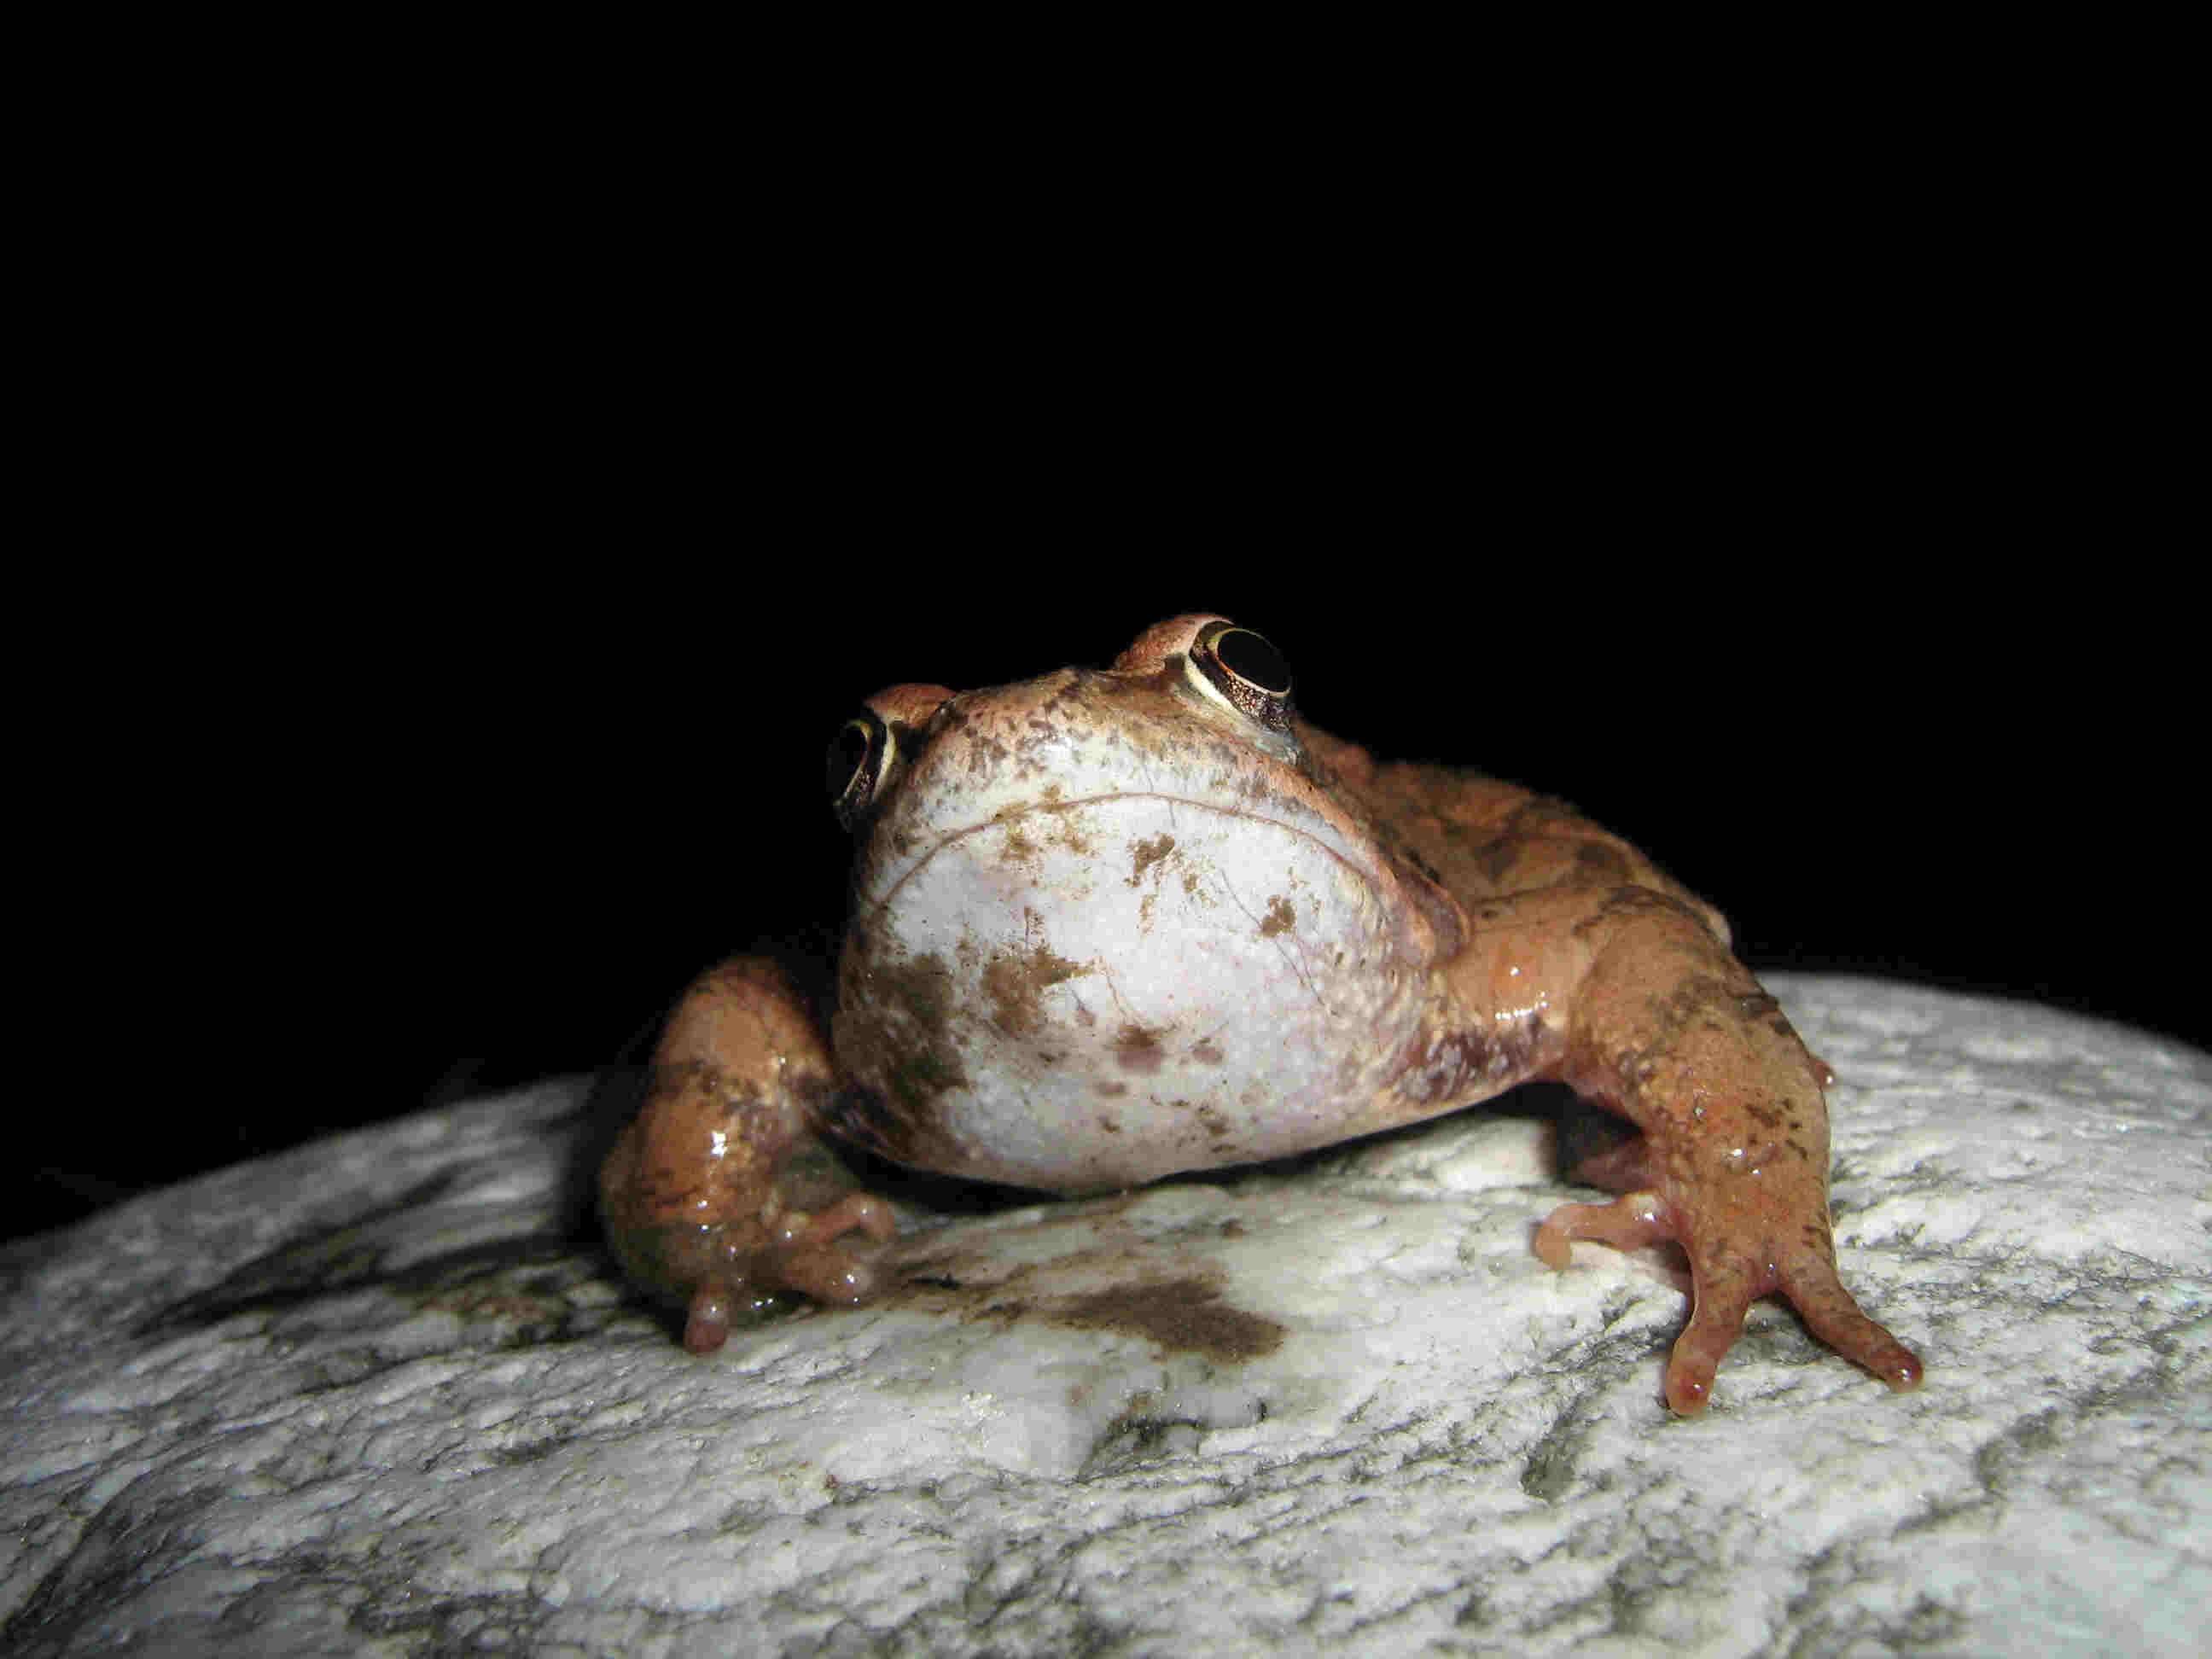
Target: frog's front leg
[[719, 1194], [1672, 1032]]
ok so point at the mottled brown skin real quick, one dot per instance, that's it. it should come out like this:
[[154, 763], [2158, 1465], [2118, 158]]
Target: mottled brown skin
[[1541, 946]]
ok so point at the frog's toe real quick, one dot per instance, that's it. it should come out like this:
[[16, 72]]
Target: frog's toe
[[1831, 1313], [1628, 1222], [1720, 1294], [712, 1308], [1715, 1320], [807, 1259]]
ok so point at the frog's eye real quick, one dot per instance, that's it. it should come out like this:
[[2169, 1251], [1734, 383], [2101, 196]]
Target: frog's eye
[[1236, 666], [868, 756], [864, 757]]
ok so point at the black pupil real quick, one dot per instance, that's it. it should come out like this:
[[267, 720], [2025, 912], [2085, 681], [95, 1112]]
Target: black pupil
[[848, 752], [1251, 659]]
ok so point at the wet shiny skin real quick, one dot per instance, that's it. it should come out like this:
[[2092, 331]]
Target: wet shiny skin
[[1110, 925]]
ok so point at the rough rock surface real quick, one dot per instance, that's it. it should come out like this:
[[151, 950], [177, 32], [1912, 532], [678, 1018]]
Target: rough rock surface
[[365, 1398]]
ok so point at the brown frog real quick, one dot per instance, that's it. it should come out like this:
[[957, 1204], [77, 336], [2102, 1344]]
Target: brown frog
[[1108, 926]]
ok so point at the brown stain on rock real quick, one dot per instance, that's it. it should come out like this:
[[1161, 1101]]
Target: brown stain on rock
[[1181, 1312], [1280, 919], [1184, 1315]]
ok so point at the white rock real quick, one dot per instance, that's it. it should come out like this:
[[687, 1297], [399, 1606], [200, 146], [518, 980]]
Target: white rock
[[358, 1399]]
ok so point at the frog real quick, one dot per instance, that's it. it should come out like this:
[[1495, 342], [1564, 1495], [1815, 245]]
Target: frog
[[1111, 925]]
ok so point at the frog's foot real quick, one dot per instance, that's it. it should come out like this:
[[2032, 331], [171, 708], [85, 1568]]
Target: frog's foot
[[1675, 1035], [720, 1198], [802, 1255], [1725, 1283]]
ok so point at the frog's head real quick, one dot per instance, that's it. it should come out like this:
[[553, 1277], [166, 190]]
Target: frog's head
[[1109, 925]]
